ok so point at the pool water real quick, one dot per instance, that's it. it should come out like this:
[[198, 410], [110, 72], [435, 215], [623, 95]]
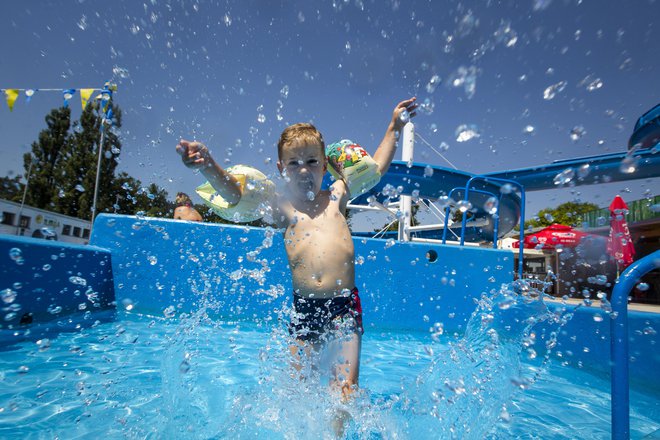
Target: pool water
[[192, 377]]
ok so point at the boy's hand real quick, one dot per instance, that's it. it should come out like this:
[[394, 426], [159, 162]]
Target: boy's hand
[[409, 106], [194, 154]]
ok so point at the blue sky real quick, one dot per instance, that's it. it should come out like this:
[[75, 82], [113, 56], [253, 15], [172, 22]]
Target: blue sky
[[234, 73]]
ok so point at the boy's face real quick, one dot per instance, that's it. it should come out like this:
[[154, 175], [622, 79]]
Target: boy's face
[[304, 165]]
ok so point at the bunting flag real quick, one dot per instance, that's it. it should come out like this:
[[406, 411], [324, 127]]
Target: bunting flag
[[85, 94], [11, 95], [67, 94], [28, 95]]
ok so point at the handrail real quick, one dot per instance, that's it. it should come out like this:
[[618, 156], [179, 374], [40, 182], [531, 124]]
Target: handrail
[[619, 342], [522, 213]]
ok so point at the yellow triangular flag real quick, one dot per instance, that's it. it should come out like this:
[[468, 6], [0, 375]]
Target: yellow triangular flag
[[12, 94], [84, 96]]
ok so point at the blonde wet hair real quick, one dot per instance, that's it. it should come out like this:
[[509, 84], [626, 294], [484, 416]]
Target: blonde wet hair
[[302, 132], [182, 199]]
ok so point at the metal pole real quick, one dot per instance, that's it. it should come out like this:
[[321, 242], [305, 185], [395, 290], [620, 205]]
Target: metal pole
[[408, 146], [98, 172], [619, 342], [27, 181]]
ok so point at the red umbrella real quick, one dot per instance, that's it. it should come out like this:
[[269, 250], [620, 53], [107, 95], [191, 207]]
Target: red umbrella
[[619, 244], [553, 236]]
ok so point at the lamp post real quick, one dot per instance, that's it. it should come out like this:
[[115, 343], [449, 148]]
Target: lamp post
[[106, 108], [27, 181]]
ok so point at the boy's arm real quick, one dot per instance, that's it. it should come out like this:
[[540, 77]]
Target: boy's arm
[[195, 155], [385, 152]]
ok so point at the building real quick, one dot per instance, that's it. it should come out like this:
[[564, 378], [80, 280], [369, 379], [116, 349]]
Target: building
[[34, 222]]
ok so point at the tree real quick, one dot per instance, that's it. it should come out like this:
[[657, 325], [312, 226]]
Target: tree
[[131, 198], [45, 159], [566, 214], [78, 170], [11, 188]]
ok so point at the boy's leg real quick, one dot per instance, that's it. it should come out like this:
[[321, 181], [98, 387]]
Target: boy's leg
[[346, 368]]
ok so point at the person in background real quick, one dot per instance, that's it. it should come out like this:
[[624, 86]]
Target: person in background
[[184, 209]]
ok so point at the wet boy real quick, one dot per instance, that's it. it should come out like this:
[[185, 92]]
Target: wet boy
[[317, 239]]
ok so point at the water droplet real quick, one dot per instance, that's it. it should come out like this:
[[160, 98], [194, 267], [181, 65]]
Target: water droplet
[[433, 83], [583, 171], [598, 318], [642, 287], [491, 205], [310, 195], [529, 129], [466, 132], [8, 296], [428, 171], [463, 205], [577, 133], [169, 312], [629, 164], [120, 72], [78, 281], [43, 344], [46, 267], [551, 91], [507, 188], [284, 92], [348, 47], [80, 188], [595, 85], [54, 310], [564, 177], [549, 217]]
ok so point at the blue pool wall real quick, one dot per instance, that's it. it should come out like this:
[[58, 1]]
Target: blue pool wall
[[240, 273], [51, 280]]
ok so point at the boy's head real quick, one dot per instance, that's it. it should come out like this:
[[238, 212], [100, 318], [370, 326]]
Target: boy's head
[[301, 133], [302, 161]]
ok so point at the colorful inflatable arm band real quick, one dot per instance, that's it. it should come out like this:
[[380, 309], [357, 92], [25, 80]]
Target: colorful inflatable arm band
[[350, 162], [256, 192]]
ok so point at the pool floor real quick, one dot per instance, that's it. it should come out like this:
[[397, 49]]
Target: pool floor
[[145, 377]]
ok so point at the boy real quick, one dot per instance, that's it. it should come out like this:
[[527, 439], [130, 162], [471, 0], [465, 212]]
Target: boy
[[317, 239]]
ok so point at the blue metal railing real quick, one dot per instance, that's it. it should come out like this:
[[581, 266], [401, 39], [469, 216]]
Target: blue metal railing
[[522, 213], [619, 342], [496, 217]]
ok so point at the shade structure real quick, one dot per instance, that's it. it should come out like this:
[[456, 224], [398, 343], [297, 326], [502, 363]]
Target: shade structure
[[619, 243], [553, 236]]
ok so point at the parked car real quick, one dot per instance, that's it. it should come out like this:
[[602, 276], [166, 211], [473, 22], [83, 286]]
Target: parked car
[[45, 233]]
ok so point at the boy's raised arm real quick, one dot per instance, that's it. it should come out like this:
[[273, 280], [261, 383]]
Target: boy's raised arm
[[196, 155], [385, 152]]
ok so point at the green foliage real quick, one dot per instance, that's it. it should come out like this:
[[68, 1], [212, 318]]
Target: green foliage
[[11, 188], [62, 170], [569, 213], [44, 163]]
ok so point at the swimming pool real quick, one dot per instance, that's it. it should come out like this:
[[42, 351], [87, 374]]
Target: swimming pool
[[146, 377], [167, 366]]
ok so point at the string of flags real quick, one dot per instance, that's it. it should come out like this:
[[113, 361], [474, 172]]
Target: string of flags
[[104, 97]]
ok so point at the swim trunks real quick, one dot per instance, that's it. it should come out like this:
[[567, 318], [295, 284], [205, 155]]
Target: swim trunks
[[314, 317]]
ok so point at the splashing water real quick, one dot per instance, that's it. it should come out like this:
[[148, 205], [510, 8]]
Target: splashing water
[[467, 132], [551, 91]]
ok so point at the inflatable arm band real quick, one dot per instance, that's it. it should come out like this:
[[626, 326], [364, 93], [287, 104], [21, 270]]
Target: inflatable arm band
[[351, 163], [256, 191]]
